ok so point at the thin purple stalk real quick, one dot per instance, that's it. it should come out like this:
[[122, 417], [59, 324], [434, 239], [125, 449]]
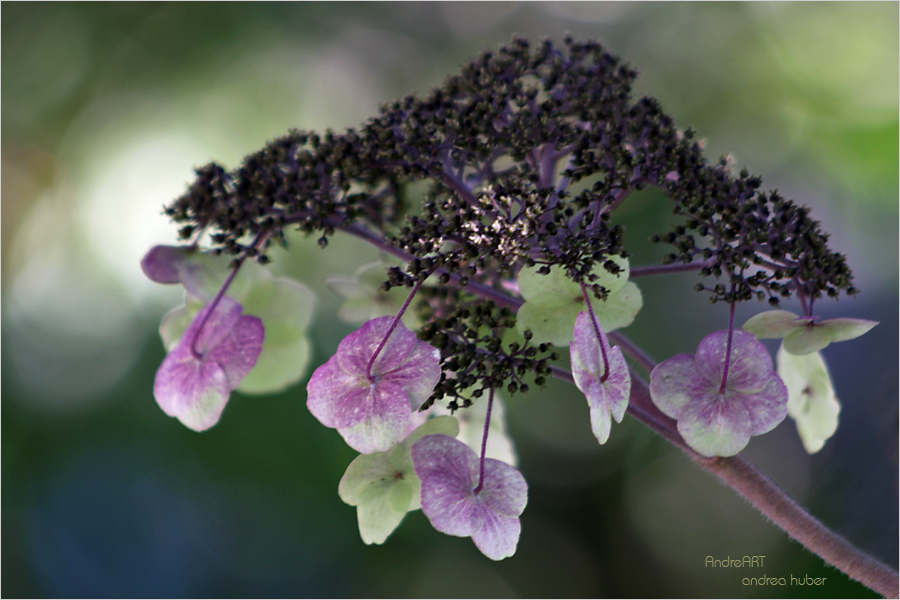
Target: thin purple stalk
[[587, 300], [393, 326], [484, 438], [728, 348], [260, 238], [673, 268]]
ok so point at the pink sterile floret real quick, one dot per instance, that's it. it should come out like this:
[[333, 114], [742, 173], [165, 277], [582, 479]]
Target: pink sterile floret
[[449, 471], [213, 357], [713, 422], [606, 398], [371, 408]]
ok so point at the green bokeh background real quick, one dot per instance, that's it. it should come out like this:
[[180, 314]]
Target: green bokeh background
[[107, 107]]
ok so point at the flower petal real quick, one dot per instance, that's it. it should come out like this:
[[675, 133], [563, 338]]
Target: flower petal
[[716, 425], [381, 508], [160, 264], [355, 350], [238, 351], [504, 489], [750, 367], [193, 391], [337, 398], [550, 290], [499, 535], [812, 402], [386, 415], [807, 339], [674, 383], [843, 329], [772, 324]]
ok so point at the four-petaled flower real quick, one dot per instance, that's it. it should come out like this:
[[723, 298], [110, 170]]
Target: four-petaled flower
[[717, 419], [214, 355], [607, 396], [383, 486], [369, 401], [553, 301], [456, 504], [805, 335]]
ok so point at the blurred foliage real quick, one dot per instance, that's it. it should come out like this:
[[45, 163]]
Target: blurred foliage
[[107, 106]]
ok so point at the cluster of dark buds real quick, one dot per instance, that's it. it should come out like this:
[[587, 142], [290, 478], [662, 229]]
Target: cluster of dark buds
[[490, 200]]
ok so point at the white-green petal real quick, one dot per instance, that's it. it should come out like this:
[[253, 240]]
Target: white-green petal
[[812, 402], [555, 324], [844, 329], [771, 324], [551, 325], [174, 324], [379, 510], [807, 339], [619, 309], [550, 290]]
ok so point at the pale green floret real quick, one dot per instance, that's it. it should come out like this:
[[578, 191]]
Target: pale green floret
[[383, 485], [364, 298], [805, 335], [553, 301], [812, 402]]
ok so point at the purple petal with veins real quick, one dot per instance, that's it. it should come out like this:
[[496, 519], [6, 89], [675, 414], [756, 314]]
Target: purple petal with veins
[[450, 472], [196, 378], [607, 399], [371, 410]]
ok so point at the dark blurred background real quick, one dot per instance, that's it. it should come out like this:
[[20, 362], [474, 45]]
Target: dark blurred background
[[107, 108]]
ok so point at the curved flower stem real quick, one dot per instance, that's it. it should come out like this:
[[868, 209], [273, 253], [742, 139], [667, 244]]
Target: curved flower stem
[[394, 325], [673, 268], [484, 438], [747, 480], [728, 347], [590, 307], [257, 242]]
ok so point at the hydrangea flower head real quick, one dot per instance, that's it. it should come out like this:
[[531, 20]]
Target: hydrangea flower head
[[553, 301], [371, 406], [383, 486], [715, 421], [450, 474], [607, 396], [812, 402], [805, 335], [214, 355]]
